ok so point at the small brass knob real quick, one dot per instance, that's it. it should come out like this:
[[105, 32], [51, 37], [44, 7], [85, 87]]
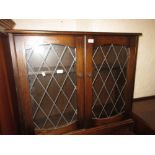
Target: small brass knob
[[89, 75]]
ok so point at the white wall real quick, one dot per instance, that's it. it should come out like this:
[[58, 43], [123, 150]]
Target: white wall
[[145, 72]]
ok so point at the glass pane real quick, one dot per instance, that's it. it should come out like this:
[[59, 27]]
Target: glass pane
[[52, 79], [109, 80]]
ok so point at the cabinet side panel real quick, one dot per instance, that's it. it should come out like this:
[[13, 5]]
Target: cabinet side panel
[[22, 87], [8, 108], [131, 74]]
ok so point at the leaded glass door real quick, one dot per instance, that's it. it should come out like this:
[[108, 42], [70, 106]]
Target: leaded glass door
[[107, 75], [74, 81], [53, 77]]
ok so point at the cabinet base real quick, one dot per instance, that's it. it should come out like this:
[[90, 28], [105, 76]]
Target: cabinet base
[[120, 128]]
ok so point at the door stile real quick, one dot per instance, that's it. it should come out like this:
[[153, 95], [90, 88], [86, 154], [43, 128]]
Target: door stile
[[80, 79], [88, 81], [23, 88]]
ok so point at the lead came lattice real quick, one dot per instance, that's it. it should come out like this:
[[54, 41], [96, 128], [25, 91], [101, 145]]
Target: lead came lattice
[[53, 95], [109, 80]]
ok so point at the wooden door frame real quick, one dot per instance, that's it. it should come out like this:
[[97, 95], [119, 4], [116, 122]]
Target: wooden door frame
[[128, 41], [20, 73], [85, 107]]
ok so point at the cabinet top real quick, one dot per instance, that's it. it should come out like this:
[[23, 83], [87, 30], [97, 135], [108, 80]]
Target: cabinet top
[[43, 32]]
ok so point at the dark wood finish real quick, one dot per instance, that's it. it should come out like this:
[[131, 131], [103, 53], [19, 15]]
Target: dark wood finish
[[15, 75], [130, 42], [22, 79], [145, 98], [101, 121], [112, 128], [88, 82], [59, 131], [41, 32], [8, 100], [80, 79], [131, 69], [23, 88], [106, 40], [55, 39], [84, 78], [7, 23]]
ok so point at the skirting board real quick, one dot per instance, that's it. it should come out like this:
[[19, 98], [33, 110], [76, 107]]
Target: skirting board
[[144, 98]]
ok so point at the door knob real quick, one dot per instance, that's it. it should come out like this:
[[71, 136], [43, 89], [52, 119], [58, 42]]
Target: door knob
[[89, 75]]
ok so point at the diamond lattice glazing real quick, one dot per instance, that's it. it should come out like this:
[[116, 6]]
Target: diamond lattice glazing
[[109, 80], [52, 79]]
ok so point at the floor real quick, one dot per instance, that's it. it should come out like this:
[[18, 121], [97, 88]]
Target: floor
[[145, 112]]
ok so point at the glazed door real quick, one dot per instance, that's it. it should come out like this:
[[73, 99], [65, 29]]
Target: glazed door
[[50, 83], [108, 94]]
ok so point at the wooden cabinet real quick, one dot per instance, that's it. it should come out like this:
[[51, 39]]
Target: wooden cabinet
[[74, 82]]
